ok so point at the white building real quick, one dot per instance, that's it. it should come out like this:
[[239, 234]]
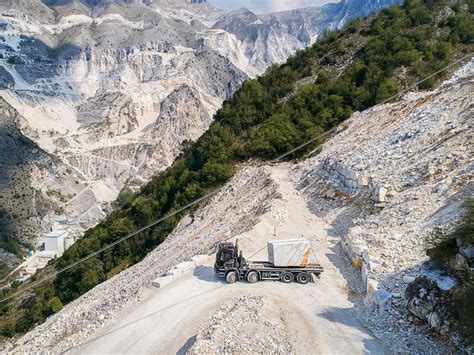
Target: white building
[[58, 240], [54, 243]]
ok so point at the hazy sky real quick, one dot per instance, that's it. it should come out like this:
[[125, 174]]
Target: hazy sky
[[265, 6]]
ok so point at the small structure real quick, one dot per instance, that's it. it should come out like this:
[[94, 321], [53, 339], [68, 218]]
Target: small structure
[[54, 243], [60, 223], [58, 240]]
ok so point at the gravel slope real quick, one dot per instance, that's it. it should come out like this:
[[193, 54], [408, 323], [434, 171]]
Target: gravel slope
[[317, 316], [418, 150]]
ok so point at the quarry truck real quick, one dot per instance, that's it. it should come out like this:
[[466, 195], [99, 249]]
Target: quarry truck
[[288, 261]]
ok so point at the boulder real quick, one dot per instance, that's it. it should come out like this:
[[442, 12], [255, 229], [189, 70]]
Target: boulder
[[460, 263], [355, 247], [372, 285], [363, 180], [408, 278], [378, 301], [380, 194], [368, 266], [428, 302], [467, 251]]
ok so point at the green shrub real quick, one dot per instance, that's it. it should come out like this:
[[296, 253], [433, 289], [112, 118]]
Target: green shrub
[[464, 305], [8, 330]]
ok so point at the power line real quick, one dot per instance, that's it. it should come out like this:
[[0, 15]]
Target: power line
[[380, 103], [108, 246], [118, 241]]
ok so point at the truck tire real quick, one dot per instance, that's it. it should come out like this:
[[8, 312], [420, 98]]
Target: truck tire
[[231, 277], [303, 278], [287, 277], [252, 277]]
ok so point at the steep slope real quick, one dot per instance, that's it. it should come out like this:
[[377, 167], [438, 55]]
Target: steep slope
[[266, 117], [20, 160], [91, 77], [392, 176], [35, 186], [313, 199]]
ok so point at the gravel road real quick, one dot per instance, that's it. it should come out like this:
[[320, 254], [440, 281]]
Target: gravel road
[[318, 317]]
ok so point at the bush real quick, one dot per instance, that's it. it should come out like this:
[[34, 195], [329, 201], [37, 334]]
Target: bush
[[8, 330], [464, 305], [55, 304], [125, 198]]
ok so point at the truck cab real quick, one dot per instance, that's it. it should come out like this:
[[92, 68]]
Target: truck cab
[[228, 258]]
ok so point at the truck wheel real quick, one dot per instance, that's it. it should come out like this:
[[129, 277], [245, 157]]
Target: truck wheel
[[252, 277], [303, 278], [287, 277], [231, 277]]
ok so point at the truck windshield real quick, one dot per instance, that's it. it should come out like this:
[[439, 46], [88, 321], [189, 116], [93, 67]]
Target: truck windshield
[[227, 255]]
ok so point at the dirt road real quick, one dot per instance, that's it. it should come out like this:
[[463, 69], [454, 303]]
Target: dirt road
[[318, 316]]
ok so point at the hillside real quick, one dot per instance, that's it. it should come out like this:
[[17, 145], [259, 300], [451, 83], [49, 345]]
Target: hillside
[[20, 160], [316, 199], [266, 117], [113, 89]]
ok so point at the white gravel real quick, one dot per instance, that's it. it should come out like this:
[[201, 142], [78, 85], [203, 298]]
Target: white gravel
[[420, 150], [240, 326]]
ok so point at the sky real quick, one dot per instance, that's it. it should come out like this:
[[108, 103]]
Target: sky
[[266, 6]]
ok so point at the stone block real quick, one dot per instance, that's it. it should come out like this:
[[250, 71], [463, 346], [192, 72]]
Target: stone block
[[346, 248], [162, 281], [378, 301], [351, 175], [408, 279], [363, 180], [381, 193], [291, 252], [358, 246], [372, 285], [365, 256], [365, 272]]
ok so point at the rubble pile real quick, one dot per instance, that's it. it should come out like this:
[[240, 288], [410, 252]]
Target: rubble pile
[[393, 174], [241, 327]]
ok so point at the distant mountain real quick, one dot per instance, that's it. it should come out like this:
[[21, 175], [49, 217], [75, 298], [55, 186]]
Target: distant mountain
[[274, 37]]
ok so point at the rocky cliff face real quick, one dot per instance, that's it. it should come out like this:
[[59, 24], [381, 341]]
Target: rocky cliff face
[[110, 89], [26, 171], [390, 176]]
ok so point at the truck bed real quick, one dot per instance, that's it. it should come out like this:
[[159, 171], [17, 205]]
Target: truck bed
[[267, 266]]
